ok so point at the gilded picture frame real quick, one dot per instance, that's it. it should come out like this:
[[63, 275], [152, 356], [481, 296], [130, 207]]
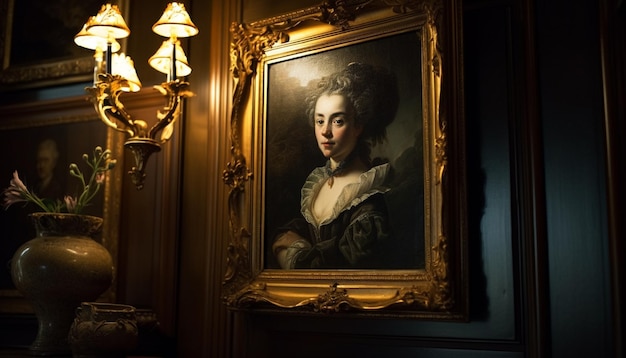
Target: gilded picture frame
[[71, 125], [44, 54], [420, 43]]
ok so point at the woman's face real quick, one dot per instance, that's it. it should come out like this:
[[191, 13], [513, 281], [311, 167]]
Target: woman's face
[[335, 129]]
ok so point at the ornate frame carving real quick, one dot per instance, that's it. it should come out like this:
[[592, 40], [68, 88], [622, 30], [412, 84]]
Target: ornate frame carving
[[437, 291]]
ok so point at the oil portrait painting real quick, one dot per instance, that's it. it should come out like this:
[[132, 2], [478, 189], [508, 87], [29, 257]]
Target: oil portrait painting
[[347, 189], [373, 179]]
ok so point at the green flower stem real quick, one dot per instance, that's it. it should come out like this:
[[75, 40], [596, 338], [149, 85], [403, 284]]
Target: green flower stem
[[100, 164]]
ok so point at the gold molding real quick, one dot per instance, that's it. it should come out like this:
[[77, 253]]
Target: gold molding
[[435, 292]]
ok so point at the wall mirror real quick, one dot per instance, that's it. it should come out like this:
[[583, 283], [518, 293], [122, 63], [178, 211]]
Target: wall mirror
[[69, 128]]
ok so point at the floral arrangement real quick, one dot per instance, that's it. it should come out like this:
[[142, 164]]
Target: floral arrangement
[[100, 163]]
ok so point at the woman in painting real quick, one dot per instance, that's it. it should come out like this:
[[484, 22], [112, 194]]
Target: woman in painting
[[344, 220]]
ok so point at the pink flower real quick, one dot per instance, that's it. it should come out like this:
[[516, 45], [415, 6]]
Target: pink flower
[[100, 164], [100, 177], [16, 182], [15, 193], [70, 203]]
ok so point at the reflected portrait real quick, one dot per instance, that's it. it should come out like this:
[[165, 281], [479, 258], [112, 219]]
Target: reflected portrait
[[41, 156]]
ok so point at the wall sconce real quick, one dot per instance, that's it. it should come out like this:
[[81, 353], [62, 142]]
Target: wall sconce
[[115, 75]]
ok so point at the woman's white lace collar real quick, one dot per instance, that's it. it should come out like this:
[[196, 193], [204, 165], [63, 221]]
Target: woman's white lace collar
[[370, 182]]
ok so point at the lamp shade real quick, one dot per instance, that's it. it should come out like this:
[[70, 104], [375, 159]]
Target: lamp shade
[[92, 42], [162, 59], [175, 22], [108, 23], [125, 67]]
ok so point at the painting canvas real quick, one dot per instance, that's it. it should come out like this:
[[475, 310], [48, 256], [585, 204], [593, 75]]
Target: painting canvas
[[292, 150]]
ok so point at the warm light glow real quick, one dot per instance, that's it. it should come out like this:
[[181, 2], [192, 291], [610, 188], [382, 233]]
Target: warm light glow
[[108, 23], [93, 42], [175, 22], [100, 34], [162, 59], [125, 67]]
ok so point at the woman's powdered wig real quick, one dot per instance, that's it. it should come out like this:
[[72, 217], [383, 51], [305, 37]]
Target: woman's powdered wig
[[373, 95]]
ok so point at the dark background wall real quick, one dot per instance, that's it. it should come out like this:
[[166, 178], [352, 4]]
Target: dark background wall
[[540, 274]]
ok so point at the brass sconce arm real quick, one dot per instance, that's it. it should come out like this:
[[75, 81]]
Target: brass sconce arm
[[105, 97], [142, 142], [117, 75], [175, 92]]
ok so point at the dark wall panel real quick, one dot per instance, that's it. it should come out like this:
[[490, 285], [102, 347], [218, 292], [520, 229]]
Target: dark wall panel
[[572, 115], [487, 82]]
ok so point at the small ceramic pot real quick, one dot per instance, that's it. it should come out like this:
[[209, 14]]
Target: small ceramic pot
[[103, 330]]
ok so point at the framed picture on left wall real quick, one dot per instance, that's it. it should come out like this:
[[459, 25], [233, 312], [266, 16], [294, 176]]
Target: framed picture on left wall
[[37, 42], [40, 142]]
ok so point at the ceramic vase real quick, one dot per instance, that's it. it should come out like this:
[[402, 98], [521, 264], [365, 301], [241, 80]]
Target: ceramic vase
[[58, 270], [103, 330]]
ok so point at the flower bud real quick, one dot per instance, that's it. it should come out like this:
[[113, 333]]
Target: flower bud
[[17, 182], [99, 177], [70, 203]]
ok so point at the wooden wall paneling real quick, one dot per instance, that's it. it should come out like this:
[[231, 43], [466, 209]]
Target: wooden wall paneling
[[613, 38], [529, 178], [572, 115], [488, 86], [204, 325], [148, 232]]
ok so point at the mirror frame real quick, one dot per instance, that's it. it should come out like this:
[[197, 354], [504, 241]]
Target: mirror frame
[[61, 113]]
